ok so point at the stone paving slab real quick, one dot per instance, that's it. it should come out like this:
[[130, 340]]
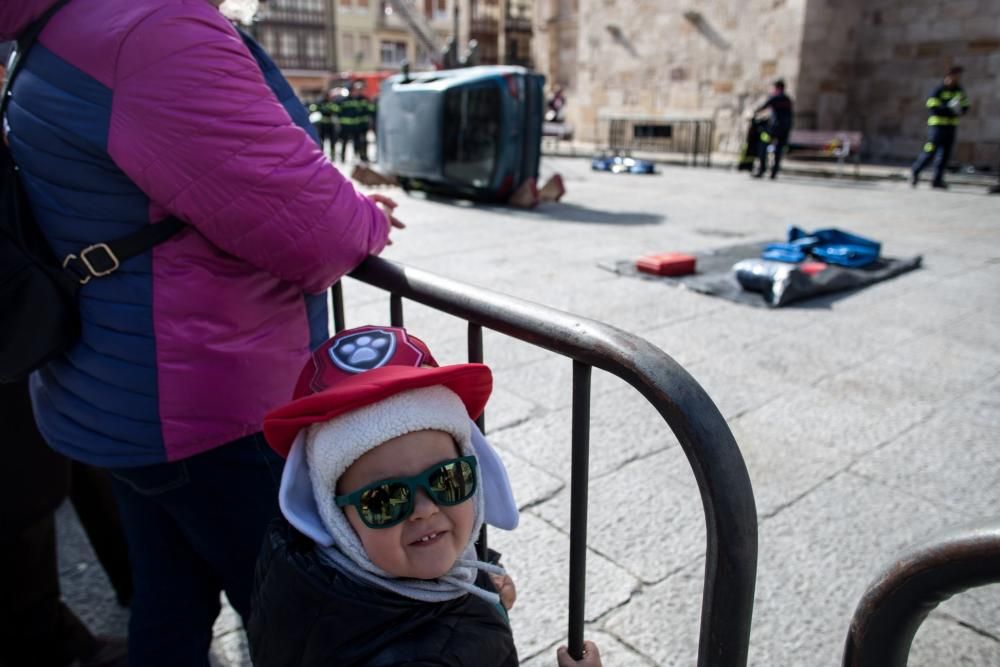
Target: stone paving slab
[[950, 461], [648, 523], [801, 609], [936, 642], [624, 428], [537, 556]]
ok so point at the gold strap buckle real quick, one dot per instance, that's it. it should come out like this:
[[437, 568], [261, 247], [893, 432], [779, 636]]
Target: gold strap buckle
[[91, 270]]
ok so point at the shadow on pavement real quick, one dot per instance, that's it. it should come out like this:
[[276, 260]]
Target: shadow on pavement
[[829, 182], [558, 212]]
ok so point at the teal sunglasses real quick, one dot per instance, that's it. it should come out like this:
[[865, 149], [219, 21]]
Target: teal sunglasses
[[390, 501]]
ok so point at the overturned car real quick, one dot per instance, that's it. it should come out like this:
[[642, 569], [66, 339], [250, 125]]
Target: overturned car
[[474, 132]]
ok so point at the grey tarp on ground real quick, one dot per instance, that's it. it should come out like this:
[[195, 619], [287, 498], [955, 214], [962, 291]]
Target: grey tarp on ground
[[715, 276]]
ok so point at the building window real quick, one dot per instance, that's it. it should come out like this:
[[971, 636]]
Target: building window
[[347, 43], [345, 3], [392, 53], [315, 46], [267, 41], [288, 45], [365, 50]]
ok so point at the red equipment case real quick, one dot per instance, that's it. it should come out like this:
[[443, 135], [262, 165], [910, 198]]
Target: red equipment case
[[667, 264]]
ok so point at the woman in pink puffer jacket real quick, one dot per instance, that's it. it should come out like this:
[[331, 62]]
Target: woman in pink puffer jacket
[[124, 113]]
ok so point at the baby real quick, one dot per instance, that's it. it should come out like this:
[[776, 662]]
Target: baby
[[386, 486]]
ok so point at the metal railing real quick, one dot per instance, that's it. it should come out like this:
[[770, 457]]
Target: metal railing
[[897, 602], [692, 138], [718, 466]]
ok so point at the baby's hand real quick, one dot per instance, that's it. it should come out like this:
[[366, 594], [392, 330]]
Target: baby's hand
[[505, 587], [591, 656]]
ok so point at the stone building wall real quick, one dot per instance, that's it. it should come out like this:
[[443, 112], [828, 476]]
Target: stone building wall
[[905, 48], [672, 58], [863, 65], [555, 41]]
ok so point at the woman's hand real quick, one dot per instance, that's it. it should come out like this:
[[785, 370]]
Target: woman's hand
[[591, 656], [505, 587], [387, 206]]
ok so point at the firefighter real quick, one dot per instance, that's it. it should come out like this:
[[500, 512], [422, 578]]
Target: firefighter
[[322, 113], [945, 105], [776, 132], [355, 114]]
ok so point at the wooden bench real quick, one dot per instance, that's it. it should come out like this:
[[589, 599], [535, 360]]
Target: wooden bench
[[837, 144]]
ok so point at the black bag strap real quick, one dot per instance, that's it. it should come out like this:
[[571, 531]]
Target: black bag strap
[[99, 259], [25, 41]]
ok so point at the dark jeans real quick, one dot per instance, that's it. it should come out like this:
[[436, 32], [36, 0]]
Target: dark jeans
[[358, 136], [779, 142], [938, 148], [36, 628], [194, 528], [327, 133]]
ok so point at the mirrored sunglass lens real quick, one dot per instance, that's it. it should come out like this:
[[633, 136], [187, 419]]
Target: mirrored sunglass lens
[[453, 482], [384, 503]]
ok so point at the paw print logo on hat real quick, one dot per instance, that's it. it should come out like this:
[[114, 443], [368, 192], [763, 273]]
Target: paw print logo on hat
[[363, 351]]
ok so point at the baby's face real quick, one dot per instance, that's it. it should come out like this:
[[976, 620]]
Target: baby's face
[[402, 550]]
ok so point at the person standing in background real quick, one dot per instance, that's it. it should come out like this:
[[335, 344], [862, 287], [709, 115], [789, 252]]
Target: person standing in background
[[774, 138], [322, 113], [355, 114], [946, 104]]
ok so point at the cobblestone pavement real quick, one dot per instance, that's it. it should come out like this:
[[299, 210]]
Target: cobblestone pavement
[[867, 421]]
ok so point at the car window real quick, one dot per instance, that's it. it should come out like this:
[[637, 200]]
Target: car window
[[471, 134]]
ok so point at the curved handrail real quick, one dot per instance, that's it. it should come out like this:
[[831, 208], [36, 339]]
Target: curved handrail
[[711, 450], [898, 600]]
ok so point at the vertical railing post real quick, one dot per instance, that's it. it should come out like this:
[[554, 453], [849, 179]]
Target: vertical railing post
[[697, 141], [475, 344], [396, 310], [338, 306], [578, 507], [711, 141]]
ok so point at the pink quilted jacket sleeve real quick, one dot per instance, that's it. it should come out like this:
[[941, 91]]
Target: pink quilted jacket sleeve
[[195, 126]]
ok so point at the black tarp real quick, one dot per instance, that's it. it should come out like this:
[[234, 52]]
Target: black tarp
[[715, 276]]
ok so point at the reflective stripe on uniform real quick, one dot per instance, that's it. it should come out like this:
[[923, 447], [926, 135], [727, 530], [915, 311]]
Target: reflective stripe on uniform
[[933, 102], [935, 121], [929, 147]]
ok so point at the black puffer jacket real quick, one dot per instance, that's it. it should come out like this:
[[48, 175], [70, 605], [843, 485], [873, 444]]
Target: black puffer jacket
[[307, 614]]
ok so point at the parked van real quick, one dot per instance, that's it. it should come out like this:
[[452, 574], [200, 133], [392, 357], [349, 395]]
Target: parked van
[[474, 132]]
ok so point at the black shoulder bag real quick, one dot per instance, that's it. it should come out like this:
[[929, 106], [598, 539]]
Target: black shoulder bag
[[39, 311]]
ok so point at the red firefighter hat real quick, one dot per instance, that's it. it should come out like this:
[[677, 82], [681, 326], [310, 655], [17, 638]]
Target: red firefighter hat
[[365, 365]]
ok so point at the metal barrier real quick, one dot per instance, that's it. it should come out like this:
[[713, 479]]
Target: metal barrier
[[726, 494], [897, 602], [693, 138]]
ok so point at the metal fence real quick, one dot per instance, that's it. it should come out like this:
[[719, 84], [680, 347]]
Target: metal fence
[[692, 138], [718, 466]]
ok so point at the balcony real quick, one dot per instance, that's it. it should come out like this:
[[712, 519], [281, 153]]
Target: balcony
[[519, 24], [388, 19], [484, 26], [292, 16]]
